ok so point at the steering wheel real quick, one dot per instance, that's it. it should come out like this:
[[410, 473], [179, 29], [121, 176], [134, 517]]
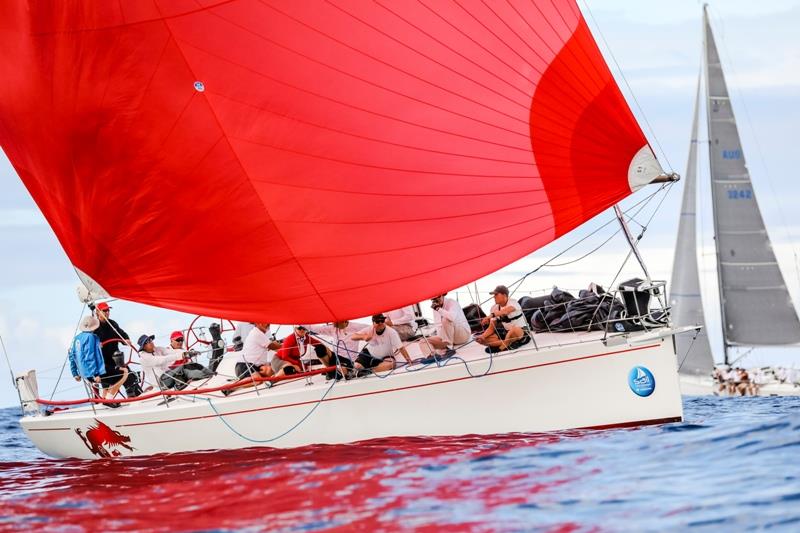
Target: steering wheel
[[193, 338]]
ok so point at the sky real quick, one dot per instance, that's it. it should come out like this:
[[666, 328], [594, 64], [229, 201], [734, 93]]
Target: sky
[[657, 46]]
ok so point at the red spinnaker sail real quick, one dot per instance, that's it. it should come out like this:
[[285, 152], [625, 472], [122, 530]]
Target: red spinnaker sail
[[304, 161]]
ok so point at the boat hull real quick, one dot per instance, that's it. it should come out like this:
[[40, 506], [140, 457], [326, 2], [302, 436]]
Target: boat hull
[[583, 385], [705, 386]]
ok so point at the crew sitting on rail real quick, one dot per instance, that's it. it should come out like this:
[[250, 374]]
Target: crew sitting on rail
[[505, 325], [287, 359], [255, 357], [402, 321], [452, 327], [155, 361], [110, 335], [340, 333], [382, 344], [86, 357]]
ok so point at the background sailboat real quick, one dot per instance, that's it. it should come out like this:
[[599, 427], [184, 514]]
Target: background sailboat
[[755, 305]]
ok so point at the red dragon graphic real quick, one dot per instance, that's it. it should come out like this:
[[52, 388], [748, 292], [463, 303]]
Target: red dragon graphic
[[99, 436]]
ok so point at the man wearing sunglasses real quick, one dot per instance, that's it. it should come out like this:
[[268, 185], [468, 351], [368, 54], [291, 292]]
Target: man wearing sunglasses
[[111, 334], [382, 344], [287, 359]]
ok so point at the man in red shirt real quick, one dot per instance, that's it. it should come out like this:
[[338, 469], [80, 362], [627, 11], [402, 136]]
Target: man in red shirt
[[293, 348]]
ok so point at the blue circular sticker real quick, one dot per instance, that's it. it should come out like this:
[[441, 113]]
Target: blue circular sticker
[[641, 381], [199, 86]]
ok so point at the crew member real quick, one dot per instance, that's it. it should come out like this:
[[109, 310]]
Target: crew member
[[452, 327], [382, 344], [110, 335], [85, 356], [402, 321], [287, 359], [505, 325]]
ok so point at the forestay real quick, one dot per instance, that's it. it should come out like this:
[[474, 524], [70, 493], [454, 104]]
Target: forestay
[[308, 161], [756, 306]]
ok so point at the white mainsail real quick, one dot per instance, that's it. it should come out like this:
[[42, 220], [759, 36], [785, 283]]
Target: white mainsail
[[692, 348]]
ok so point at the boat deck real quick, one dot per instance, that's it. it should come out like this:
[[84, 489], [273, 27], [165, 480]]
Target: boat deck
[[467, 354]]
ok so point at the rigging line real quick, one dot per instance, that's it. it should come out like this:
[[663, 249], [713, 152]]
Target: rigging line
[[60, 374], [689, 350], [666, 187], [762, 159], [8, 362], [643, 203], [630, 90]]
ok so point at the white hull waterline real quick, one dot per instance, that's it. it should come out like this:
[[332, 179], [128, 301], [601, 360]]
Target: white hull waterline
[[574, 380]]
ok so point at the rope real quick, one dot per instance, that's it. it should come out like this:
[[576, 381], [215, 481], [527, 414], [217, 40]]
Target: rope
[[64, 365], [263, 441], [8, 362], [696, 334]]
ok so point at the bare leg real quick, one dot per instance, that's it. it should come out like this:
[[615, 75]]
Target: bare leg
[[515, 333], [114, 389], [438, 343]]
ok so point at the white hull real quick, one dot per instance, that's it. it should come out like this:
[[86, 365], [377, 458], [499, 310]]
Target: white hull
[[576, 381], [705, 386]]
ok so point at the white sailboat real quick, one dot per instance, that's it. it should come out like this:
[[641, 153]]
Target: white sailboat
[[755, 305], [341, 160]]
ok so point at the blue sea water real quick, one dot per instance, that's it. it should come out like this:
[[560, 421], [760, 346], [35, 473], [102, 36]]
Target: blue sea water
[[733, 465]]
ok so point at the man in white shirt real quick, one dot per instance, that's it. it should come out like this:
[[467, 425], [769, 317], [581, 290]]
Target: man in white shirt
[[340, 334], [256, 357], [402, 321], [452, 326], [155, 359], [506, 323], [382, 344]]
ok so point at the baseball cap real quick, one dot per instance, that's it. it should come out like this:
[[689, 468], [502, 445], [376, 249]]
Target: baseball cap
[[175, 335], [500, 289], [103, 306], [380, 317], [144, 339]]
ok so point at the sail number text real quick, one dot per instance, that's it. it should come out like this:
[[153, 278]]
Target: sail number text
[[740, 194]]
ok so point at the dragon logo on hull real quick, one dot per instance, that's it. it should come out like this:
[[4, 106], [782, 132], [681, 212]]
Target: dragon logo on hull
[[103, 441]]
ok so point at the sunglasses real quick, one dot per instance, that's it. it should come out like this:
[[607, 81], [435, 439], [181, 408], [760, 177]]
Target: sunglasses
[[179, 339], [379, 321]]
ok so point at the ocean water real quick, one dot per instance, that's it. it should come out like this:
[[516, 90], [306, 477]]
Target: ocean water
[[733, 465]]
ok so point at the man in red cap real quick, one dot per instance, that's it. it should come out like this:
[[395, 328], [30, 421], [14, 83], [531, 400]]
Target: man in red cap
[[176, 348]]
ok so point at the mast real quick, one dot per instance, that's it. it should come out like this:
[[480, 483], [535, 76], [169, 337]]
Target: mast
[[692, 348], [717, 261], [755, 305]]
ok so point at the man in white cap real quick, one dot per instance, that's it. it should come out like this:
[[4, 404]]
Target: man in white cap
[[505, 325]]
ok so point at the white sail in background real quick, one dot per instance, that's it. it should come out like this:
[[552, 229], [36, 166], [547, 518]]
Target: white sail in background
[[692, 348], [755, 303]]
